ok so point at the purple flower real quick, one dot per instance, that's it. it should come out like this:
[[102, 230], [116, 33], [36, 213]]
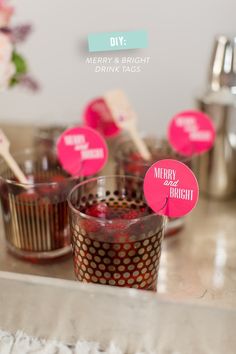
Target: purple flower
[[28, 82], [20, 33]]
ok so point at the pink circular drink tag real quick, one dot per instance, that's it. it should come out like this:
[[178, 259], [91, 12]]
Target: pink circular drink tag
[[82, 151], [170, 188], [191, 132], [98, 116]]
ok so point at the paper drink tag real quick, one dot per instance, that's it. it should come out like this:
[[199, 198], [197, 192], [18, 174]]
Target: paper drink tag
[[191, 133], [82, 150], [98, 116], [170, 188]]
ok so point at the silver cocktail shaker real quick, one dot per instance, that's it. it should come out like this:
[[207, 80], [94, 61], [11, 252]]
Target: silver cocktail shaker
[[216, 169]]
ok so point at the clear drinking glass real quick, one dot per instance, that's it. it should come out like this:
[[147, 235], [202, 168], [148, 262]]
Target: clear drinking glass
[[130, 163], [116, 238], [35, 215]]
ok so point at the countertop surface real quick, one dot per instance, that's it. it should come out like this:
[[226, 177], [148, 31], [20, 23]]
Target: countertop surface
[[197, 264]]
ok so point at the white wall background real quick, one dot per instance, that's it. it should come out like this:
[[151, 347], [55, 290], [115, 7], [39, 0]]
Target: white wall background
[[180, 35]]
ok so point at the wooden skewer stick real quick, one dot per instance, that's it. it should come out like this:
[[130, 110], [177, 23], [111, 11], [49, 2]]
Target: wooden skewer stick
[[125, 118], [140, 144], [5, 153]]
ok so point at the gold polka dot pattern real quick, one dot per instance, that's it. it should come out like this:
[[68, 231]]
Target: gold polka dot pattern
[[130, 264]]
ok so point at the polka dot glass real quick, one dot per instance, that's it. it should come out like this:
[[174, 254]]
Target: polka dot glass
[[116, 252]]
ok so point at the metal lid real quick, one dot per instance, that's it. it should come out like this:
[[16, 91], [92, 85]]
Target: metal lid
[[223, 64]]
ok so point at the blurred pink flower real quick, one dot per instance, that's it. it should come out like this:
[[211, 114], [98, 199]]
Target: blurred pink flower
[[6, 12], [7, 68]]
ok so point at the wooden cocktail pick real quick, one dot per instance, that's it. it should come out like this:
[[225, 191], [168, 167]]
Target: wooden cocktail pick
[[125, 118], [4, 151]]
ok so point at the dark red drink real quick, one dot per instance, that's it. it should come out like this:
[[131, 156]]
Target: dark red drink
[[130, 163], [36, 215]]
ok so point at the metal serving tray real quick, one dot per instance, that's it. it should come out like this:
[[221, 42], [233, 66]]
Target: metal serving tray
[[133, 320], [193, 312]]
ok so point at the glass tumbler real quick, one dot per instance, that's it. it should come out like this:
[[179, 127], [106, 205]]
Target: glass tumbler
[[116, 238], [129, 162], [35, 215]]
